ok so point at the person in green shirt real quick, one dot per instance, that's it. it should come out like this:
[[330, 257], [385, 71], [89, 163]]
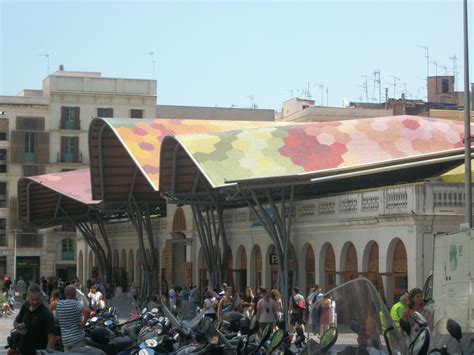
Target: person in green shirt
[[398, 309]]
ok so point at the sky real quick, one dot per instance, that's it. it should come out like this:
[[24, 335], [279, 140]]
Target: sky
[[237, 54]]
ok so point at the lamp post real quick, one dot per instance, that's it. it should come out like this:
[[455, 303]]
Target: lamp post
[[467, 123]]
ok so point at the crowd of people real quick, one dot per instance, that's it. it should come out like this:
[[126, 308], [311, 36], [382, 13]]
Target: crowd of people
[[45, 318]]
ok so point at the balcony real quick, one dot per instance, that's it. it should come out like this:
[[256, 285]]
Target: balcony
[[67, 255], [72, 125], [69, 158]]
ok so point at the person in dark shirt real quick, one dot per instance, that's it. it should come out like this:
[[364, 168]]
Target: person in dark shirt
[[35, 323]]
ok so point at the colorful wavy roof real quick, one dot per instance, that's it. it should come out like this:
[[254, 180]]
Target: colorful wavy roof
[[288, 150], [74, 184], [142, 138]]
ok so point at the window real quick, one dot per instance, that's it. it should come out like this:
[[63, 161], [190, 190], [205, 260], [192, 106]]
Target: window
[[105, 112], [136, 113], [3, 194], [67, 249], [29, 142], [69, 150], [445, 86], [70, 113], [3, 136], [3, 231], [70, 118], [3, 160]]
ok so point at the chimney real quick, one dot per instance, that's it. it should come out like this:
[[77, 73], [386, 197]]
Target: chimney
[[61, 67]]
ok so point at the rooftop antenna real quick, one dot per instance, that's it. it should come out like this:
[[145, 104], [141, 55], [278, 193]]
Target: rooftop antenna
[[152, 55], [321, 87], [327, 97], [394, 85], [364, 86], [436, 73], [455, 70], [376, 82], [427, 56], [46, 56], [253, 104], [291, 93], [445, 69]]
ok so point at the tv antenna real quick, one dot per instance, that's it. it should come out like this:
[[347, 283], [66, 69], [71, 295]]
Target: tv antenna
[[152, 55], [46, 56], [365, 87], [394, 85], [252, 102], [377, 82], [321, 87], [455, 70], [427, 56]]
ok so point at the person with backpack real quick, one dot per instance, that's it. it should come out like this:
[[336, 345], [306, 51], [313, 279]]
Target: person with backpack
[[297, 308]]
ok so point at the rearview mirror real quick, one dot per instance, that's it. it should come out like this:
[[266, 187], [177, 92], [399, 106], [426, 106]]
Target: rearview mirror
[[328, 339], [454, 329], [405, 325]]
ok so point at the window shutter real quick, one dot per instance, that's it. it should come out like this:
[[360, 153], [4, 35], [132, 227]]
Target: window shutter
[[17, 147], [77, 119], [63, 117], [76, 149], [42, 147], [110, 112], [63, 149]]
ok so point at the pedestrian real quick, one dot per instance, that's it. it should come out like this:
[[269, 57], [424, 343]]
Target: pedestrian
[[246, 302], [276, 296], [297, 308], [209, 305], [195, 296], [415, 304], [79, 294], [95, 297], [11, 296], [267, 314], [35, 323], [172, 298], [258, 296], [325, 321], [398, 309], [72, 315], [225, 304], [21, 288]]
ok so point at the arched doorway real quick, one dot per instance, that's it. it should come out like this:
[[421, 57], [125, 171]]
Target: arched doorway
[[399, 270], [349, 258], [309, 268], [328, 261], [241, 269], [371, 266], [256, 265], [116, 258]]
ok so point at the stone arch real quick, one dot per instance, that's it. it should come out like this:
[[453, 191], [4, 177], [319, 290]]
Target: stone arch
[[370, 265], [327, 267], [241, 269], [130, 268], [80, 266], [348, 265], [397, 269], [309, 267], [256, 264]]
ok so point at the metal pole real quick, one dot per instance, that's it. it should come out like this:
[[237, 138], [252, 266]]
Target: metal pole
[[14, 259], [467, 123]]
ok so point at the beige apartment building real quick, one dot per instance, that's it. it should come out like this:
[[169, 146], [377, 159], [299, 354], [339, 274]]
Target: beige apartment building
[[45, 131]]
